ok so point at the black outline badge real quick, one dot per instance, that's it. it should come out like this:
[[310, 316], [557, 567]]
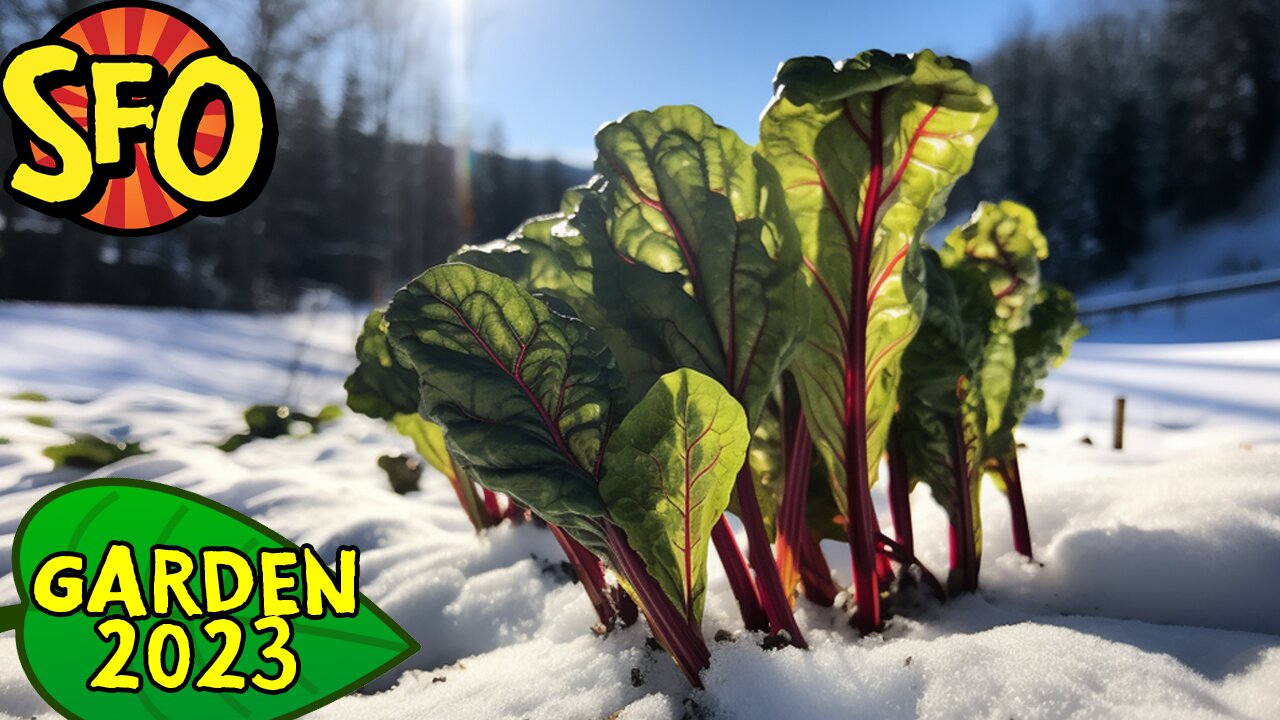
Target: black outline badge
[[154, 90]]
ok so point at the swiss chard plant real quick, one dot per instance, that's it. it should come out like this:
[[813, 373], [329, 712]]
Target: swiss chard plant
[[1042, 345], [709, 327], [868, 151], [990, 335], [684, 255], [941, 427], [1004, 243], [535, 408]]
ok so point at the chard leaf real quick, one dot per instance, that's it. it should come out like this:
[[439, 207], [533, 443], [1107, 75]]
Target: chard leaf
[[428, 440], [942, 422], [1004, 241], [90, 452], [1042, 345], [952, 341], [545, 255], [998, 365], [710, 255], [528, 397], [767, 469], [381, 387], [668, 472], [868, 151], [551, 258]]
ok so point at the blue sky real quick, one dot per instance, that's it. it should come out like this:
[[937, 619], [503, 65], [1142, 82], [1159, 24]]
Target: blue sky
[[552, 71]]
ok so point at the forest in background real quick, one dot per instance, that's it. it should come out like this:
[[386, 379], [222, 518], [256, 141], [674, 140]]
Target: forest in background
[[1133, 114], [1174, 109], [367, 187]]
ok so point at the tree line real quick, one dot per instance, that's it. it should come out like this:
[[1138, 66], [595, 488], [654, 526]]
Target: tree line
[[366, 189], [1172, 110]]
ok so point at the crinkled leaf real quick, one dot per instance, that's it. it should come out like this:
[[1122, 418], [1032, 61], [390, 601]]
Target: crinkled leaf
[[767, 469], [550, 257], [998, 364], [1039, 347], [428, 440], [545, 255], [952, 340], [1004, 241], [527, 397], [699, 219], [668, 472], [868, 151], [942, 421], [337, 655], [381, 386]]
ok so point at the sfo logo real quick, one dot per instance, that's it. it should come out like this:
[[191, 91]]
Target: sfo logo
[[131, 118]]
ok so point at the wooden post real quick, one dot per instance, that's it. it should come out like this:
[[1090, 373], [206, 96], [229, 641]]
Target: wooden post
[[1117, 426]]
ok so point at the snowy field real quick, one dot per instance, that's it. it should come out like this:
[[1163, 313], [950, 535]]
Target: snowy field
[[1155, 594]]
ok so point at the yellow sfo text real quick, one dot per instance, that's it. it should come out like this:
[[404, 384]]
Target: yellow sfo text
[[130, 100]]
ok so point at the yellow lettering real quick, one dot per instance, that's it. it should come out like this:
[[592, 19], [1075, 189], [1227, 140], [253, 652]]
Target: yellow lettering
[[66, 571], [244, 148], [273, 583], [109, 118], [117, 582], [34, 111], [321, 587], [171, 570], [214, 561]]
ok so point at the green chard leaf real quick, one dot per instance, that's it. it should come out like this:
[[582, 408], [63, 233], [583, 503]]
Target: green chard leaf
[[428, 440], [1004, 241], [528, 397], [710, 258], [381, 387], [868, 151], [1042, 345], [998, 364], [681, 254], [90, 452], [384, 386], [941, 372], [942, 422], [668, 472], [768, 468], [582, 275], [545, 255]]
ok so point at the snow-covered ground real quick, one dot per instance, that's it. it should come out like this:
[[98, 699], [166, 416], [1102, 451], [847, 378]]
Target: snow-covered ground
[[1155, 594]]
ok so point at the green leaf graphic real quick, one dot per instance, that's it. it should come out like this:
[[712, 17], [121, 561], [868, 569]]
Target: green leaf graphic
[[337, 655]]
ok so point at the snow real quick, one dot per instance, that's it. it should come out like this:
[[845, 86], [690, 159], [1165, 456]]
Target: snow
[[1153, 594], [1181, 258]]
